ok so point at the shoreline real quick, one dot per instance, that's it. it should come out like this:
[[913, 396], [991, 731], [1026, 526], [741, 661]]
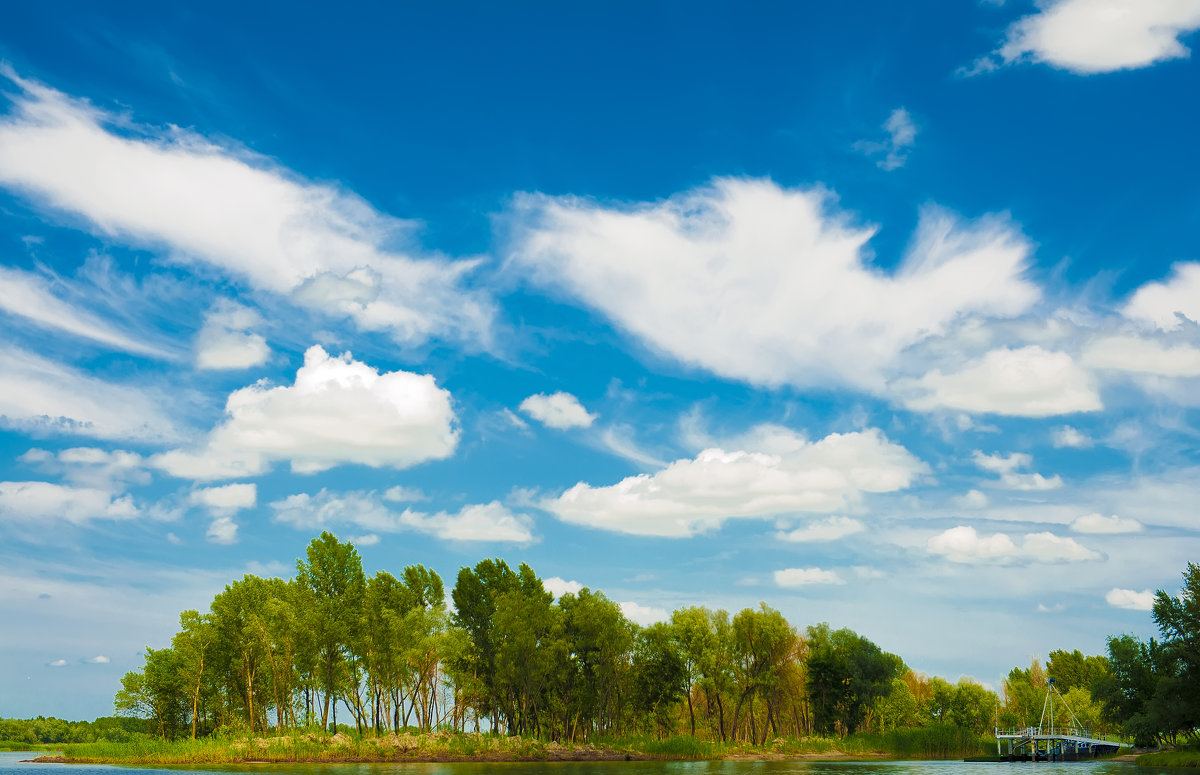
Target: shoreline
[[435, 758]]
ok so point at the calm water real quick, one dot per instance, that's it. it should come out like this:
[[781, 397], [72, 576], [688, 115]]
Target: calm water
[[10, 764]]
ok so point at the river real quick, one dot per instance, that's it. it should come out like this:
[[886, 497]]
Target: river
[[10, 764]]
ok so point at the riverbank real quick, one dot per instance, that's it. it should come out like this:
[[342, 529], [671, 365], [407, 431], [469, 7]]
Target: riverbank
[[457, 747], [1180, 758]]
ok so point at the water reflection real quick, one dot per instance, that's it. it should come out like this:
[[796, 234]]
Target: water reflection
[[10, 764]]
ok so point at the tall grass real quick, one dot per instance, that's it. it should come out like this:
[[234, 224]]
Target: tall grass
[[921, 743], [932, 742], [1183, 757]]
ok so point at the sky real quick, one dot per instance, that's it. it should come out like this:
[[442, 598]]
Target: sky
[[886, 314]]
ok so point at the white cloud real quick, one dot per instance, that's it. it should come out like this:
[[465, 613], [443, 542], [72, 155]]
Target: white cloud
[[1007, 468], [399, 494], [998, 464], [1130, 599], [57, 663], [697, 495], [483, 522], [1066, 436], [338, 411], [370, 539], [557, 410], [963, 545], [226, 341], [43, 502], [618, 439], [902, 135], [223, 530], [768, 285], [800, 577], [29, 296], [98, 660], [327, 509], [1025, 382], [226, 499], [364, 510], [91, 467], [40, 396], [1142, 356], [830, 529], [1161, 304], [1100, 36], [645, 615], [973, 499], [1096, 523], [229, 209], [559, 586]]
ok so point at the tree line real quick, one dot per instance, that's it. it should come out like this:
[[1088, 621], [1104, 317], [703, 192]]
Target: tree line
[[277, 655]]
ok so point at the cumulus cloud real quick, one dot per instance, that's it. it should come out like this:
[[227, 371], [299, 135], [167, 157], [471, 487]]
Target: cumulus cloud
[[768, 285], [645, 615], [338, 411], [892, 153], [963, 544], [1129, 599], [364, 510], [41, 397], [557, 410], [1099, 36], [43, 502], [491, 522], [29, 296], [226, 341], [558, 586], [802, 577], [1096, 523], [57, 663], [226, 499], [98, 660], [830, 529], [1141, 355], [1023, 382], [241, 214], [696, 495], [1066, 436], [223, 530], [1164, 303], [1010, 476]]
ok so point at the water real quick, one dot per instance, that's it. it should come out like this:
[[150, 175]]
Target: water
[[10, 764]]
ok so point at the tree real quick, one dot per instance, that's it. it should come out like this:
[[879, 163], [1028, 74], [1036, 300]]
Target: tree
[[335, 584], [192, 644], [847, 674], [659, 673], [1177, 698], [156, 692]]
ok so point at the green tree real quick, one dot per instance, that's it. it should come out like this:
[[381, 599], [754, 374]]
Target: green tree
[[193, 643], [156, 692], [847, 674], [334, 581], [659, 674]]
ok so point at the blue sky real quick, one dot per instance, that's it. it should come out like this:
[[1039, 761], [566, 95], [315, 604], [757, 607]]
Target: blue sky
[[886, 314]]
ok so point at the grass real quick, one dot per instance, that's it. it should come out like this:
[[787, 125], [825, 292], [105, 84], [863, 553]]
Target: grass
[[1181, 757], [922, 743], [13, 745]]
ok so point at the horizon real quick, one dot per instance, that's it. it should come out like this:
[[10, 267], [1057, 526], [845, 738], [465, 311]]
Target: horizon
[[886, 316]]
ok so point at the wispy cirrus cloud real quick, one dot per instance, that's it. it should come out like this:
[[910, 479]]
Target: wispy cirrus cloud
[[206, 202]]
